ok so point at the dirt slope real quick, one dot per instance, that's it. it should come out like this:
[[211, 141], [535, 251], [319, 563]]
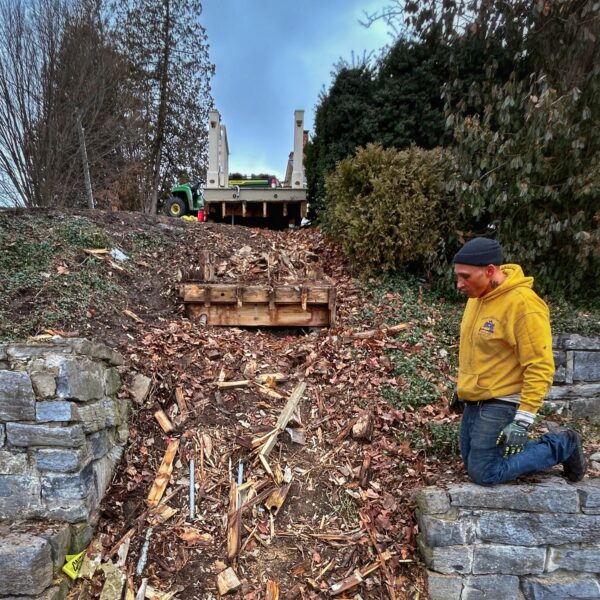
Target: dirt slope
[[348, 502]]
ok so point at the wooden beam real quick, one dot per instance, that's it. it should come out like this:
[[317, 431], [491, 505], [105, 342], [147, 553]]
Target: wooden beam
[[259, 315], [230, 293]]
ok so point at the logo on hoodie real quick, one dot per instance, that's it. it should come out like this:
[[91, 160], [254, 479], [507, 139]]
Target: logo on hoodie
[[487, 327]]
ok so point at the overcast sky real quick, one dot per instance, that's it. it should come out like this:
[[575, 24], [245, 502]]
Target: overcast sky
[[275, 56]]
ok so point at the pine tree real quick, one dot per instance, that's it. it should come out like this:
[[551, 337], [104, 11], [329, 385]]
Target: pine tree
[[168, 51]]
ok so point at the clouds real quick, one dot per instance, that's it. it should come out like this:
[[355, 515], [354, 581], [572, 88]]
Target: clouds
[[272, 57]]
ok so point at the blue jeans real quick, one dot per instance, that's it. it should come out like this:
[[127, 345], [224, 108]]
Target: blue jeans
[[481, 424]]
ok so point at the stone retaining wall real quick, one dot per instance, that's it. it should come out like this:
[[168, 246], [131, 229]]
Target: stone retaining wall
[[62, 431], [532, 541], [576, 389]]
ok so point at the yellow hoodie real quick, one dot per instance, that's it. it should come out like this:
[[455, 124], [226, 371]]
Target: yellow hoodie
[[506, 344]]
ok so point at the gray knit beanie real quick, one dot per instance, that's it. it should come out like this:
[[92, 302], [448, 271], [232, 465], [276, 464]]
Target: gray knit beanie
[[480, 252]]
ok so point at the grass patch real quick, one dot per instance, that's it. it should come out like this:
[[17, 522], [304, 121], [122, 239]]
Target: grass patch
[[435, 439], [48, 282]]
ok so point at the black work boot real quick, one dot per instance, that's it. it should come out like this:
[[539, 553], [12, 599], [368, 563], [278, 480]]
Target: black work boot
[[575, 466]]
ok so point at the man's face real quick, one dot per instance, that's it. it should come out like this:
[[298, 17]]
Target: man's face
[[471, 281]]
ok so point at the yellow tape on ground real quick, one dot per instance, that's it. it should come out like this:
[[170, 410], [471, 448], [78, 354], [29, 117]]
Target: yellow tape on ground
[[72, 565]]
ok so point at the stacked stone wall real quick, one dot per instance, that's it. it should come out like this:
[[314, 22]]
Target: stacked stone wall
[[576, 389], [517, 541], [62, 431]]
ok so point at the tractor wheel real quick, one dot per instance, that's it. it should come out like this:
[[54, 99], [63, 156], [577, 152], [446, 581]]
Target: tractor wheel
[[175, 207]]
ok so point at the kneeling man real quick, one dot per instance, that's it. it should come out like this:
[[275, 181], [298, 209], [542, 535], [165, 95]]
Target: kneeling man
[[506, 367]]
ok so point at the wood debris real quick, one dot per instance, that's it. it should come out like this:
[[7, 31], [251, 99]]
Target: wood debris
[[323, 498], [164, 473], [227, 582], [164, 421]]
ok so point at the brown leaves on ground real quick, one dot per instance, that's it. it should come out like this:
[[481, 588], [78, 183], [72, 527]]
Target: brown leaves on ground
[[347, 511]]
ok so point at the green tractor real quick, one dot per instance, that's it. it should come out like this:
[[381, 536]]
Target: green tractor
[[185, 199]]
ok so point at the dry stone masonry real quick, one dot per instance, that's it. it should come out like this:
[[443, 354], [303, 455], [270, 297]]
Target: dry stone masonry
[[62, 431], [534, 541], [576, 390]]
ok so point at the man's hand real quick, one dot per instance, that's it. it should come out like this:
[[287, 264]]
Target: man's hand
[[455, 404], [514, 437]]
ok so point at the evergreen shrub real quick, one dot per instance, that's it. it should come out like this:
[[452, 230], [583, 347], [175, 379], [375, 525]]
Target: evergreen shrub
[[389, 209]]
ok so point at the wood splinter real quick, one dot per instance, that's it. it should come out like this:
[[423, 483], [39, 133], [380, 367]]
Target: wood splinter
[[165, 423], [164, 473]]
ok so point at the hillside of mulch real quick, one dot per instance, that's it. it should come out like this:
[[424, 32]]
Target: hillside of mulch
[[330, 506]]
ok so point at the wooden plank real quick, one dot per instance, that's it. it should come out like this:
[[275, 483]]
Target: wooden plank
[[164, 473], [258, 315], [232, 293]]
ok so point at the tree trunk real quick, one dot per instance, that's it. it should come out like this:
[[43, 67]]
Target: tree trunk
[[162, 110], [84, 160]]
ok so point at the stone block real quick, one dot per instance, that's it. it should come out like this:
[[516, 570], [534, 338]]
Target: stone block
[[433, 500], [444, 587], [123, 407], [584, 558], [488, 587], [95, 416], [25, 564], [449, 559], [100, 443], [72, 511], [72, 486], [104, 469], [19, 496], [586, 366], [25, 436], [81, 535], [140, 388], [13, 463], [2, 434], [553, 494], [24, 352], [589, 493], [561, 586], [537, 529], [508, 560], [445, 532], [568, 392], [560, 366], [57, 411], [17, 400], [58, 536], [122, 434], [584, 407], [44, 384], [97, 351], [112, 381], [80, 379], [574, 341], [62, 460]]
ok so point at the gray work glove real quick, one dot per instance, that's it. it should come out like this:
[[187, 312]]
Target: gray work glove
[[514, 437]]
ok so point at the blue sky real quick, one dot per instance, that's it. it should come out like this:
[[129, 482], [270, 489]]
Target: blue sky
[[275, 56]]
